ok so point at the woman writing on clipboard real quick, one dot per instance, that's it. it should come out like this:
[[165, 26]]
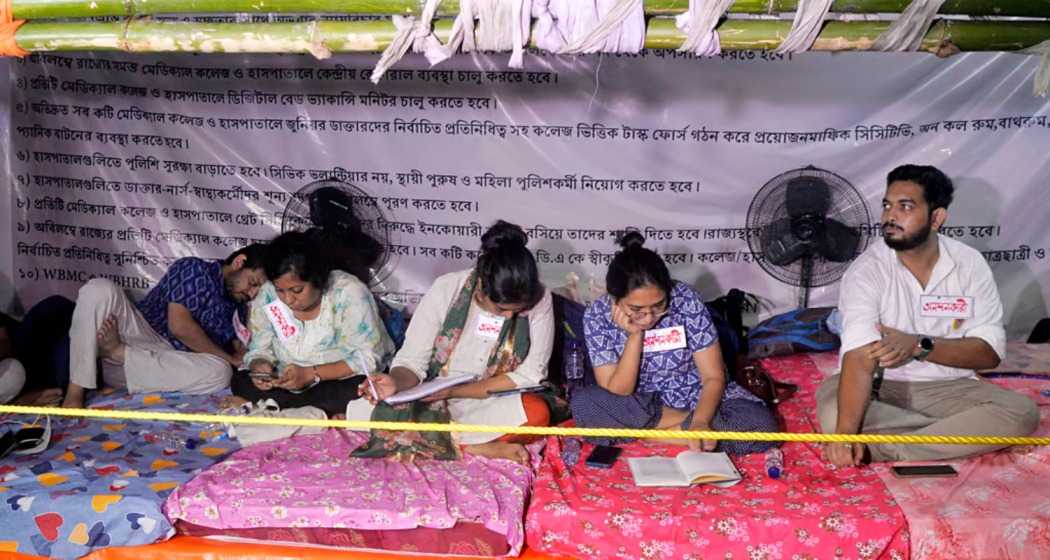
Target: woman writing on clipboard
[[494, 321]]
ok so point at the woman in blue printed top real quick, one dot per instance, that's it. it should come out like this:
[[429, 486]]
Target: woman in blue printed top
[[657, 361]]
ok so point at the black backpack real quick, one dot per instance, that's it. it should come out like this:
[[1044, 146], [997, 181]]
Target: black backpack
[[727, 313]]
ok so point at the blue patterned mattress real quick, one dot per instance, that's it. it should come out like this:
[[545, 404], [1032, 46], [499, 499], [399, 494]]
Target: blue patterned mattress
[[102, 482]]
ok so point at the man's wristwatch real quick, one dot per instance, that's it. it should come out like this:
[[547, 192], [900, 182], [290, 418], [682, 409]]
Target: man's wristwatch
[[925, 347]]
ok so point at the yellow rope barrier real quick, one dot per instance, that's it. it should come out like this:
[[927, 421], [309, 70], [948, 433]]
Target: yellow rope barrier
[[529, 430]]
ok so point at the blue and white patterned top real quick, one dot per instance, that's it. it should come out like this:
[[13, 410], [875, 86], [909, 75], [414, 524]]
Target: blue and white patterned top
[[197, 285], [671, 373]]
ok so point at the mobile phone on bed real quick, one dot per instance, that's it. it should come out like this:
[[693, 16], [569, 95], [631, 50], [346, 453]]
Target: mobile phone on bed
[[603, 456], [906, 471]]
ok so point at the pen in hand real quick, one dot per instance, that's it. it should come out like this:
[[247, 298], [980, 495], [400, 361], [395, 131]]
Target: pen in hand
[[372, 388]]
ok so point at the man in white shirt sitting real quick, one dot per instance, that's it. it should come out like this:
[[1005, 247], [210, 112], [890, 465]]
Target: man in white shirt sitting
[[921, 312]]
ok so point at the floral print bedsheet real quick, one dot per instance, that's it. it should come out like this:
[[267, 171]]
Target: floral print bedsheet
[[810, 512], [311, 481]]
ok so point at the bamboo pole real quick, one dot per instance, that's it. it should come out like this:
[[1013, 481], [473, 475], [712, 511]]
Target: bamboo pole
[[145, 35], [73, 9]]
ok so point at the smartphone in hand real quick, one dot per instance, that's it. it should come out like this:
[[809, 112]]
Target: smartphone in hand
[[603, 456], [261, 375]]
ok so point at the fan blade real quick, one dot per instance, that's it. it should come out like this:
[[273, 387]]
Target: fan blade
[[840, 241], [780, 246], [807, 195]]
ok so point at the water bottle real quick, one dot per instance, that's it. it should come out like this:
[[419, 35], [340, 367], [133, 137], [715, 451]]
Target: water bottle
[[573, 365], [774, 462], [572, 368]]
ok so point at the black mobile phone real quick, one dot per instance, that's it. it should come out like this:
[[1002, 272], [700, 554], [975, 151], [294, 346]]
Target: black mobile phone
[[603, 456], [905, 471]]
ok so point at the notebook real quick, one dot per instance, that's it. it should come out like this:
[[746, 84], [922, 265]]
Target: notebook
[[685, 469], [431, 387]]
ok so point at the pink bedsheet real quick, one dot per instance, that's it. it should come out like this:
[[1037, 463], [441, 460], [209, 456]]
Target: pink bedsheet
[[1025, 358], [810, 512], [311, 481], [998, 507]]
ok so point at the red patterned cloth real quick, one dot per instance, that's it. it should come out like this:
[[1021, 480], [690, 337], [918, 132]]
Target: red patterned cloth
[[470, 539], [810, 512]]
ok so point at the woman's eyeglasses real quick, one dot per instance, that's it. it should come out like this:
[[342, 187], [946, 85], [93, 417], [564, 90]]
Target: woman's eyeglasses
[[656, 311]]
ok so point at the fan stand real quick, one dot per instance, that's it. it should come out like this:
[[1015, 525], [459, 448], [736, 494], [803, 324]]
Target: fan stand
[[805, 277]]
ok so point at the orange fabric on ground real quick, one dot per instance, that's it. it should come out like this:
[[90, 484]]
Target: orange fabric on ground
[[187, 548], [17, 556], [537, 413]]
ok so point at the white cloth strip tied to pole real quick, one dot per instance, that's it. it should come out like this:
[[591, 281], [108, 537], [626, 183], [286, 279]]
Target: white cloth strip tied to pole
[[589, 26], [548, 33], [809, 18], [907, 31], [411, 32], [502, 25], [317, 46], [698, 23], [1042, 74]]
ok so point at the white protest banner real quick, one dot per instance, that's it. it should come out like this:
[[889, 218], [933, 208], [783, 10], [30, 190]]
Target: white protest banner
[[123, 163]]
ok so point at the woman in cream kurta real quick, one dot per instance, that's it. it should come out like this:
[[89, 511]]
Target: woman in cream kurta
[[494, 320], [471, 356]]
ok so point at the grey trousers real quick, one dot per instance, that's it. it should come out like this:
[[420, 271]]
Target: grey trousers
[[948, 408]]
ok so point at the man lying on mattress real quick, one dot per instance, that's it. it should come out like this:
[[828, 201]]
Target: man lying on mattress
[[920, 313], [181, 337]]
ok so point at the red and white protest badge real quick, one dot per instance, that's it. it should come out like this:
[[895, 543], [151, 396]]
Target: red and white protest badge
[[660, 340]]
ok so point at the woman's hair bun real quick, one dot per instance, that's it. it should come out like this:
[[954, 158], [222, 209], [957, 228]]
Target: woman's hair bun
[[503, 234], [631, 239]]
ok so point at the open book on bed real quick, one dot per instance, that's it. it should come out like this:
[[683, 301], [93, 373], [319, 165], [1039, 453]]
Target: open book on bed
[[685, 469]]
